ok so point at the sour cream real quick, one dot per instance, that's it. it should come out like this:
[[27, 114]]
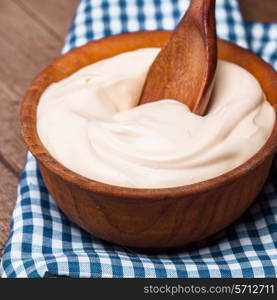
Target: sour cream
[[91, 124]]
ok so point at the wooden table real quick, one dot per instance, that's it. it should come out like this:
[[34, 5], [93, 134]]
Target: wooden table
[[32, 33]]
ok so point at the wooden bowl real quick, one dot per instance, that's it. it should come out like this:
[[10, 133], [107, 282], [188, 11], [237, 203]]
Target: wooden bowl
[[148, 218]]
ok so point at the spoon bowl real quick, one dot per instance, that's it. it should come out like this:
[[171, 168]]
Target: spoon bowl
[[185, 68]]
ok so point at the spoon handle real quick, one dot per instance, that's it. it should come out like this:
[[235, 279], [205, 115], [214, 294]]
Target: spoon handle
[[184, 69]]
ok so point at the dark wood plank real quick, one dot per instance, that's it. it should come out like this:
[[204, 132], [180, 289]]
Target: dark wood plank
[[16, 70], [28, 46], [259, 10], [8, 184], [12, 148], [55, 15]]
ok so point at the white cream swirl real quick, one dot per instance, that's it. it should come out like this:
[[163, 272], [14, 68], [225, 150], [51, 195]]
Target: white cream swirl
[[90, 123]]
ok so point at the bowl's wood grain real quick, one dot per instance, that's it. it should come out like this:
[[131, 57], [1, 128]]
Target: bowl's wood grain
[[148, 218]]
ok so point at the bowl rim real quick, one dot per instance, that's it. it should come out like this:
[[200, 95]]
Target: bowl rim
[[30, 136]]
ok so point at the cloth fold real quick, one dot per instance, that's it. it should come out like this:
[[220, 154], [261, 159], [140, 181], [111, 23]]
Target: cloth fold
[[43, 242]]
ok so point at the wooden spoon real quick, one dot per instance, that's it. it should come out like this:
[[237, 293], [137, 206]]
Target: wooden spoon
[[184, 69]]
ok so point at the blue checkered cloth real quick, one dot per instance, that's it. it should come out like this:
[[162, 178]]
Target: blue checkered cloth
[[43, 241]]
